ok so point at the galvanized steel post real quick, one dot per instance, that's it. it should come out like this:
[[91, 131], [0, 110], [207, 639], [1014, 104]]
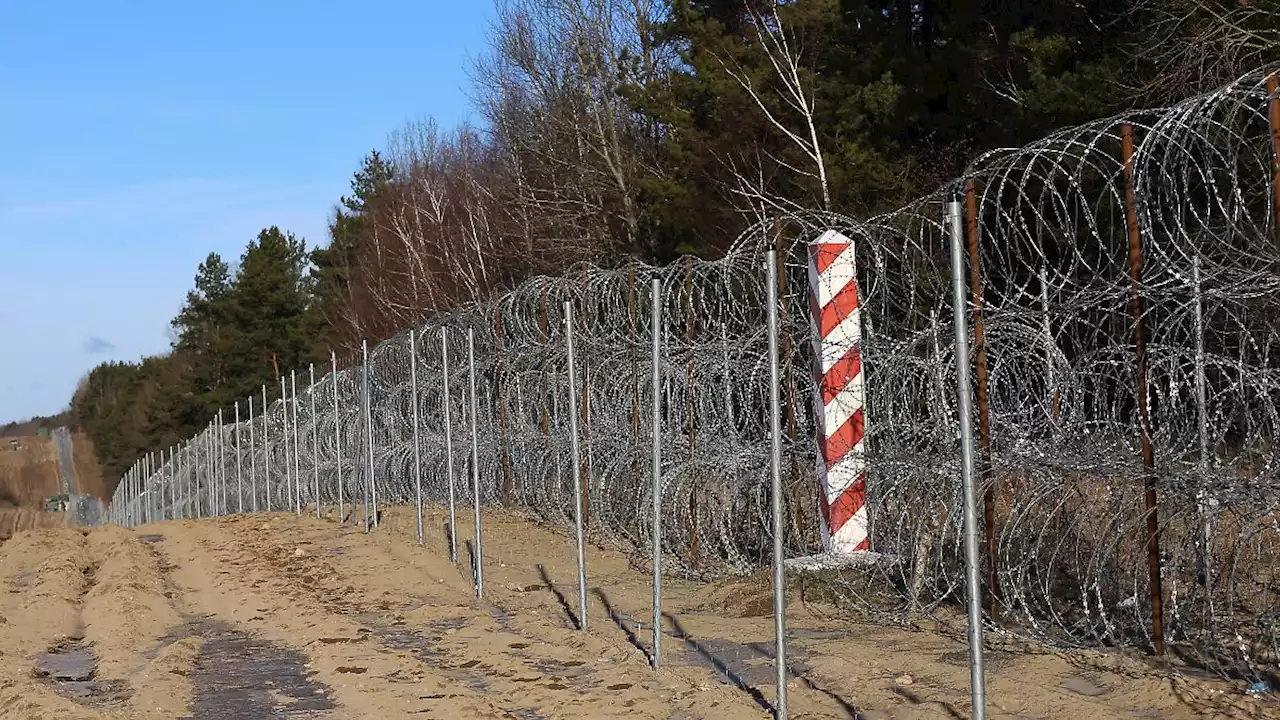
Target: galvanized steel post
[[969, 485], [297, 446], [417, 442], [368, 431], [448, 445], [775, 476], [656, 468], [577, 467], [288, 465], [266, 450], [239, 465], [337, 432], [475, 461], [315, 440], [253, 462]]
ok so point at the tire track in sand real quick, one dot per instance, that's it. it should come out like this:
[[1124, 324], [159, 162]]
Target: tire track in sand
[[220, 581], [412, 605]]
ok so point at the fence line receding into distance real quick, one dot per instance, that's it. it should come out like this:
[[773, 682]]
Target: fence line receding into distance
[[1125, 309]]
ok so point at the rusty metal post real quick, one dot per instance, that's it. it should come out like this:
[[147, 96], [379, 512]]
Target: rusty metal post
[[498, 387], [983, 393], [793, 469], [1144, 420], [690, 336], [635, 370], [586, 419], [1273, 119], [546, 338]]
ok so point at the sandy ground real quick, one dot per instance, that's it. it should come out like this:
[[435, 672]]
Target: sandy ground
[[274, 616], [14, 519]]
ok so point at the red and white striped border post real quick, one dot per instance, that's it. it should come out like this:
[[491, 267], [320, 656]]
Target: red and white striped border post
[[841, 397]]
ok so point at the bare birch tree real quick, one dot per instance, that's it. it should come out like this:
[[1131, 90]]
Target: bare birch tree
[[788, 102], [1199, 44]]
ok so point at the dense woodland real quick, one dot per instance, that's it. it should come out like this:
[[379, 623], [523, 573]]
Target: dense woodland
[[614, 128]]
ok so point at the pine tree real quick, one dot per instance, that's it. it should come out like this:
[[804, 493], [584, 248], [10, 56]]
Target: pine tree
[[269, 309], [204, 329], [334, 265]]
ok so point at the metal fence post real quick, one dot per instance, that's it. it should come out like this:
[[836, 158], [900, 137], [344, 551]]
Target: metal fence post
[[775, 474], [965, 411], [253, 462], [193, 475], [239, 465], [368, 429], [577, 467], [266, 450], [448, 445], [284, 438], [1204, 499], [656, 467], [222, 461], [1273, 120], [337, 432], [215, 477], [297, 446], [212, 479], [1149, 499], [315, 440], [173, 482], [417, 443], [475, 461], [986, 476]]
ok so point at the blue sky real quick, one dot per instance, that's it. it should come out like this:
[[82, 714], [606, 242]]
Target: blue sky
[[136, 137]]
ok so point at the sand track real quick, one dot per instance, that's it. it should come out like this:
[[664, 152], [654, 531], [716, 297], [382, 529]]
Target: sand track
[[273, 616]]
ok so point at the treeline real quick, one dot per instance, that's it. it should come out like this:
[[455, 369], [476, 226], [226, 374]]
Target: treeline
[[33, 426], [609, 128], [236, 332]]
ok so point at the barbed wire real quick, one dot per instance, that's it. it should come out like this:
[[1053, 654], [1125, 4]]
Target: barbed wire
[[1063, 455]]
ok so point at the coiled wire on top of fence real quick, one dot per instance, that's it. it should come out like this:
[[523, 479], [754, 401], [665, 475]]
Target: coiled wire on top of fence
[[1062, 452]]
